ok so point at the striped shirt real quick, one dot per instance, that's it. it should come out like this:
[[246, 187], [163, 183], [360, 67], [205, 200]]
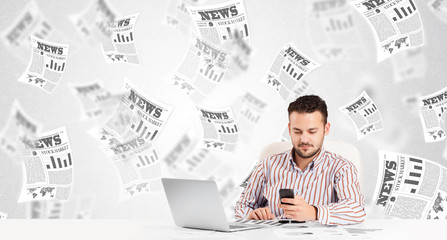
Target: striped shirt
[[329, 183]]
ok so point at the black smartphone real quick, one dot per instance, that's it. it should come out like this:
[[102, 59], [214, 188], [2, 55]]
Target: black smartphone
[[286, 193]]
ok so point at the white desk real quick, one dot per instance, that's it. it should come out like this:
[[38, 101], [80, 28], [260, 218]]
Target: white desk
[[143, 229]]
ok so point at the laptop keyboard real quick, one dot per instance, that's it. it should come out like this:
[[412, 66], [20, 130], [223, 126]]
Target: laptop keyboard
[[237, 226]]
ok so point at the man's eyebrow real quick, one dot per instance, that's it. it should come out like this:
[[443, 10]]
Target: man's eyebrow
[[297, 129]]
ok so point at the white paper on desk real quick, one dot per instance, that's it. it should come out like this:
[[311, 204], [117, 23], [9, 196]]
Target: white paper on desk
[[309, 230]]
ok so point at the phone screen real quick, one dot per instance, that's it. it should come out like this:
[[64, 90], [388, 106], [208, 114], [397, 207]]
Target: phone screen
[[286, 193]]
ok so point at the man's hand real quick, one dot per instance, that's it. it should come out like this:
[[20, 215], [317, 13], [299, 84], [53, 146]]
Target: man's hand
[[299, 210], [261, 214]]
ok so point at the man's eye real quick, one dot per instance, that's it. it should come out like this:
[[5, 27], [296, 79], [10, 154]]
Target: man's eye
[[312, 132], [297, 132]]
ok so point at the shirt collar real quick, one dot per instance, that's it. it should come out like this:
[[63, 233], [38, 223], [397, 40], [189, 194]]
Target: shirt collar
[[316, 163]]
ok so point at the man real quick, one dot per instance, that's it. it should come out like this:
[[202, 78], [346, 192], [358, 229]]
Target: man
[[326, 185]]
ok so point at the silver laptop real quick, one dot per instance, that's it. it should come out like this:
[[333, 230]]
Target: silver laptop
[[197, 204]]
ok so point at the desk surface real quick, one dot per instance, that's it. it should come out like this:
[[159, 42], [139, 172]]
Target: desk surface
[[145, 229]]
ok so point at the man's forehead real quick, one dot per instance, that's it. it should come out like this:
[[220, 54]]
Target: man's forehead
[[303, 116]]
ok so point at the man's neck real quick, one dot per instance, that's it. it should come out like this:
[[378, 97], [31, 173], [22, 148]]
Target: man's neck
[[302, 163]]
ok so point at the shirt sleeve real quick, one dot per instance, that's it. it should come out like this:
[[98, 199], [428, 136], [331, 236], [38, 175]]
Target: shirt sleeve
[[350, 206], [252, 197]]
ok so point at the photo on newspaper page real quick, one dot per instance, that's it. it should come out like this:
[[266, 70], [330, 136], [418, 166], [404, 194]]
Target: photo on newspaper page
[[30, 22], [222, 22], [138, 115], [19, 126], [92, 22], [120, 46], [364, 114], [203, 68], [396, 24], [48, 167], [432, 111], [47, 64], [333, 30], [410, 187], [288, 69], [220, 130]]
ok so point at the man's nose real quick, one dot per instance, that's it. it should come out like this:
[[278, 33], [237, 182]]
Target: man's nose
[[304, 137]]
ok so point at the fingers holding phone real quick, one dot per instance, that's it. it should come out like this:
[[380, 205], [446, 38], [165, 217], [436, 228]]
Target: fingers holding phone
[[295, 207]]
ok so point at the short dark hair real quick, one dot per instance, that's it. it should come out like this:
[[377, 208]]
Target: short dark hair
[[309, 104]]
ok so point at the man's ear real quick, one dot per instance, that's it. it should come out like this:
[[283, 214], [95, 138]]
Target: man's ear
[[327, 127], [288, 125]]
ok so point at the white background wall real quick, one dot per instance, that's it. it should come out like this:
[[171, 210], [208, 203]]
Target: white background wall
[[162, 48]]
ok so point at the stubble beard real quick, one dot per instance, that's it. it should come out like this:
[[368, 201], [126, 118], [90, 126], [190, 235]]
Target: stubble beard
[[308, 155]]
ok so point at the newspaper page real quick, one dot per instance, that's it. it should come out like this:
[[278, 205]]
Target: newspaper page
[[333, 31], [203, 68], [249, 114], [439, 9], [47, 64], [409, 65], [92, 23], [31, 22], [48, 167], [44, 209], [411, 187], [289, 68], [54, 209], [241, 53], [138, 115], [432, 111], [177, 14], [444, 155], [19, 126], [120, 46], [225, 180], [364, 114], [183, 147], [35, 209], [397, 24], [221, 22], [96, 101], [302, 88], [136, 162], [220, 130]]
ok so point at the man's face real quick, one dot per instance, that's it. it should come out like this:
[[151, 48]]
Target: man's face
[[307, 131]]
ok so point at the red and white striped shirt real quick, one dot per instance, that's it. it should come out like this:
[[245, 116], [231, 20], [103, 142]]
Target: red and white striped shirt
[[329, 183]]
